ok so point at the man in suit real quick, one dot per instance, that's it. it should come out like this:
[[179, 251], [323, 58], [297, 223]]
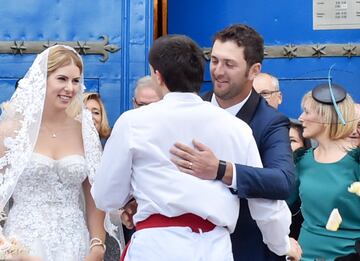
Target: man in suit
[[268, 87], [236, 58], [146, 91]]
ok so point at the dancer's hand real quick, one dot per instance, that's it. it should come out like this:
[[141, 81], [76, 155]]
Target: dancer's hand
[[130, 210], [295, 251]]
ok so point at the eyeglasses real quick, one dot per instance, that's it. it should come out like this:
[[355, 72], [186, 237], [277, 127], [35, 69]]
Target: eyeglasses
[[267, 94], [139, 104]]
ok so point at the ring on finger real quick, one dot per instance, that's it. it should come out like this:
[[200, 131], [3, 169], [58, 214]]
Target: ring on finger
[[190, 165]]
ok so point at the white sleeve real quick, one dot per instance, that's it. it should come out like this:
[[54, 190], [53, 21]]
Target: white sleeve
[[253, 156], [273, 217], [233, 182], [111, 188], [253, 160]]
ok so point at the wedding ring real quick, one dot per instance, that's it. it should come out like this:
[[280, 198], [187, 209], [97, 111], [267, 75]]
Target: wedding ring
[[190, 165]]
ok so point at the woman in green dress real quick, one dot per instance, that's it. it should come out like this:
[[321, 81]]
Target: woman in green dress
[[326, 172]]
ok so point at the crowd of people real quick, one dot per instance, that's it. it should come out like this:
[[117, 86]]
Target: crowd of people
[[225, 176]]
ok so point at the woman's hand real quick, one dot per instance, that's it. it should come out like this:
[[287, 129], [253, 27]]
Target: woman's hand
[[96, 254], [95, 221]]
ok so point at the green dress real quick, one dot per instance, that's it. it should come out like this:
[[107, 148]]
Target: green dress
[[323, 187]]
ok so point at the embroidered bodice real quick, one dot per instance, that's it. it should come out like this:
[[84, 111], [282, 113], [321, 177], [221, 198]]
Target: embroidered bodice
[[47, 214]]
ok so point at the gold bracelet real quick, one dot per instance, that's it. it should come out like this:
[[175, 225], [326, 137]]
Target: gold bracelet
[[98, 240], [98, 244]]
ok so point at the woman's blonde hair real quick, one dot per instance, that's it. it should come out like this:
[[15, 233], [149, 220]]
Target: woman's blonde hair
[[60, 56], [328, 116], [105, 129]]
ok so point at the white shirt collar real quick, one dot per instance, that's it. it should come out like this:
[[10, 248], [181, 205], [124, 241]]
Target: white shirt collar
[[182, 96], [233, 109]]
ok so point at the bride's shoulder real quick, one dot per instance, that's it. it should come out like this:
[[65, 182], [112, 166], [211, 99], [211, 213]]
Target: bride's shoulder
[[71, 127], [73, 123], [8, 130], [9, 126]]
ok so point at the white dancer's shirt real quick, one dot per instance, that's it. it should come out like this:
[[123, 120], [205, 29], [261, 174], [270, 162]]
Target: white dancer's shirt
[[136, 162]]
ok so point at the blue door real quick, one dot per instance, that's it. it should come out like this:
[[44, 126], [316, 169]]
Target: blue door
[[287, 28], [113, 37]]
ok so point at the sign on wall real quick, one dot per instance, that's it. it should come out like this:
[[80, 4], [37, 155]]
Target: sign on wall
[[336, 14]]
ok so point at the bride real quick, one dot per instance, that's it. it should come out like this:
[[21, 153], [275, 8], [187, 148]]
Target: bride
[[49, 150]]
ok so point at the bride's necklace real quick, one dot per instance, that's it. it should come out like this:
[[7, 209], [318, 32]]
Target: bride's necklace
[[52, 133]]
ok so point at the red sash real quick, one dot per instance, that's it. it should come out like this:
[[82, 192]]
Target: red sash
[[195, 222]]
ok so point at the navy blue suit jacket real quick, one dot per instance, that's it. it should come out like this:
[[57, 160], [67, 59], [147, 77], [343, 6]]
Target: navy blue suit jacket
[[274, 181]]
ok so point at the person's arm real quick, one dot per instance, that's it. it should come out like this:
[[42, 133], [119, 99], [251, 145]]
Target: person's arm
[[111, 188], [273, 217], [276, 179], [95, 222]]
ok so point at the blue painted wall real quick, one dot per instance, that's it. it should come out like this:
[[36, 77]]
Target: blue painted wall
[[280, 22], [128, 23]]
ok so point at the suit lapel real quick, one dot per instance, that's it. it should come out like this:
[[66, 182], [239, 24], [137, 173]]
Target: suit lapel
[[248, 110]]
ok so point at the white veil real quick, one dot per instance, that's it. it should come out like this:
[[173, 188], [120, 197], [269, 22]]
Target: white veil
[[20, 124]]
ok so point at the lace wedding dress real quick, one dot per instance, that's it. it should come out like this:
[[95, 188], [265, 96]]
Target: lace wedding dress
[[47, 214]]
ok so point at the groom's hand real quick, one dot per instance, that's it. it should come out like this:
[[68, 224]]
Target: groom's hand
[[199, 161]]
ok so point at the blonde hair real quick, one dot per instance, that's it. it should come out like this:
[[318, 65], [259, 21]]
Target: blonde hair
[[336, 130], [105, 129], [60, 56]]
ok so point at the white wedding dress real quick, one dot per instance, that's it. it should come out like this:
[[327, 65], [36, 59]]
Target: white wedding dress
[[47, 215]]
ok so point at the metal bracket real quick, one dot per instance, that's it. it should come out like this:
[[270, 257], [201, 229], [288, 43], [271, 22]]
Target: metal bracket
[[319, 50], [82, 47], [350, 50], [292, 51], [18, 47], [207, 53]]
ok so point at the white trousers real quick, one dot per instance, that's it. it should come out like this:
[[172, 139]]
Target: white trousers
[[179, 244]]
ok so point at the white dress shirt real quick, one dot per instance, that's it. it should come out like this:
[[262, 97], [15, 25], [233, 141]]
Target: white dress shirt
[[136, 161]]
